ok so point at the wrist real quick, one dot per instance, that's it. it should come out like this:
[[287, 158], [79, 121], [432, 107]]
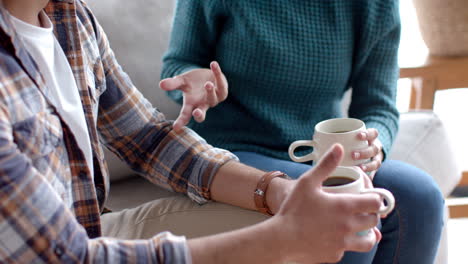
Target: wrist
[[264, 189], [277, 193], [282, 239], [278, 241]]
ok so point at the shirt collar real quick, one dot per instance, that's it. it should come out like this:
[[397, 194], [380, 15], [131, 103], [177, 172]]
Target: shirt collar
[[6, 24], [9, 39]]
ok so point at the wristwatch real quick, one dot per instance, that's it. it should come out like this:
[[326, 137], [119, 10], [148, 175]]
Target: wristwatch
[[262, 188]]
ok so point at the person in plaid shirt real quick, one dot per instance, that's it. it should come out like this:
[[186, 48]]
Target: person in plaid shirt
[[63, 95]]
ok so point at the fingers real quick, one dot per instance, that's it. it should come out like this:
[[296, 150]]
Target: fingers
[[211, 97], [362, 203], [373, 152], [377, 233], [366, 153], [365, 239], [325, 166], [375, 162], [371, 166], [368, 177], [367, 203], [361, 243], [220, 81], [186, 113], [184, 117], [199, 114], [371, 176], [370, 135], [194, 106], [175, 83], [364, 221]]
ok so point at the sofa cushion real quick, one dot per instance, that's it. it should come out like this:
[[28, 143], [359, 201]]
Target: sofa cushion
[[423, 141]]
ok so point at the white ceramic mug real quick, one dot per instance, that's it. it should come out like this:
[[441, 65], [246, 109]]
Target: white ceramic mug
[[350, 180], [338, 130], [354, 183]]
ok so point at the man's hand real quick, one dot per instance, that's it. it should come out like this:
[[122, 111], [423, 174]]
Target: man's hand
[[202, 89], [319, 226], [373, 152]]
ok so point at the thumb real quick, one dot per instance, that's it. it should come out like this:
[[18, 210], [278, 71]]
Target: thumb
[[171, 84], [325, 166]]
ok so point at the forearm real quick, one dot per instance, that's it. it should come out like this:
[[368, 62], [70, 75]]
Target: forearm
[[47, 230], [235, 184], [374, 91], [142, 137], [376, 74], [254, 244], [378, 110], [190, 166], [163, 248]]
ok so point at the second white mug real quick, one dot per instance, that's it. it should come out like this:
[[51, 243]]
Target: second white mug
[[350, 180], [338, 130]]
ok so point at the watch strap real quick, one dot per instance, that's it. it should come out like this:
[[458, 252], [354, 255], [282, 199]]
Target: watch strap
[[262, 188]]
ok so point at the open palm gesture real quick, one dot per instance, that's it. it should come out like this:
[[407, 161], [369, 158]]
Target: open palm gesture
[[201, 88]]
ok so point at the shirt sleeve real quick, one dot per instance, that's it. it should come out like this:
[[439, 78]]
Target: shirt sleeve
[[37, 227], [195, 29], [140, 135], [376, 71]]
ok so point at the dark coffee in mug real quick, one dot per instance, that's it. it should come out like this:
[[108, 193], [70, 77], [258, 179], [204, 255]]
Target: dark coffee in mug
[[341, 131], [337, 181]]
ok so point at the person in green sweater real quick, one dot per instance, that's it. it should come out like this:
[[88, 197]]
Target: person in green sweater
[[288, 65]]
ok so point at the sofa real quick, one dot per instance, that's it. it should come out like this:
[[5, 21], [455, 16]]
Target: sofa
[[139, 31]]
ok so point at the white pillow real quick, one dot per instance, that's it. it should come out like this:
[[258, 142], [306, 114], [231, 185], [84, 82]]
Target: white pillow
[[423, 141]]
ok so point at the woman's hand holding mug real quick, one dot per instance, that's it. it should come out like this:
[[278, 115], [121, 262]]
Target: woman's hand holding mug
[[373, 152], [362, 146]]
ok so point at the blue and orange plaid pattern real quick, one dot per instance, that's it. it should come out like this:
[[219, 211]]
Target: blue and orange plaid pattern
[[50, 205]]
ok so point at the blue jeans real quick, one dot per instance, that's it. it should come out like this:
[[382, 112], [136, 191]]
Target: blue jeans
[[410, 233]]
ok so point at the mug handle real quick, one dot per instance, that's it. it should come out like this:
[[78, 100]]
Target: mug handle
[[302, 143], [387, 196]]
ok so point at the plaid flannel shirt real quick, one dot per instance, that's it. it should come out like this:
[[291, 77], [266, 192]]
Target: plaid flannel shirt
[[49, 203]]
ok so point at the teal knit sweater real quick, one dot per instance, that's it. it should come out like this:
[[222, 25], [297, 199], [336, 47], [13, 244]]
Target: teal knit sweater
[[288, 64]]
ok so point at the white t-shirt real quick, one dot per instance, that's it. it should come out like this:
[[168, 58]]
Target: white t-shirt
[[53, 64]]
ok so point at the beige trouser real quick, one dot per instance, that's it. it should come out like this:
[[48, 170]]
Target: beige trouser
[[180, 216]]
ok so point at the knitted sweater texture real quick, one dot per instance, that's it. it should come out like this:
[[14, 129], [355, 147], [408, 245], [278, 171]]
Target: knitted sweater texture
[[288, 64]]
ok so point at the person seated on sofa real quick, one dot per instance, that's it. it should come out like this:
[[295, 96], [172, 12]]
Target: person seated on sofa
[[63, 94], [289, 64]]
